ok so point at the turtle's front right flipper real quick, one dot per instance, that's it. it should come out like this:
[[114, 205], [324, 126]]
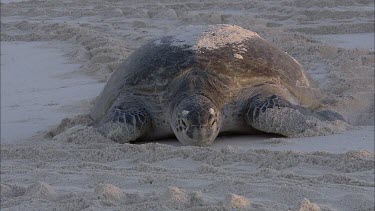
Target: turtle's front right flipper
[[274, 114], [126, 123]]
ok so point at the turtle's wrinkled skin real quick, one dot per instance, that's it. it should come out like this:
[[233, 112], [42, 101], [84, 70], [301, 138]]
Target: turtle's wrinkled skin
[[195, 92]]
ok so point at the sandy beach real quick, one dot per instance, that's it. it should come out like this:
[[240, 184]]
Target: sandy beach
[[57, 55]]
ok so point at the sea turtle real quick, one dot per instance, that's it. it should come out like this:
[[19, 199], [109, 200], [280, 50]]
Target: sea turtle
[[206, 80]]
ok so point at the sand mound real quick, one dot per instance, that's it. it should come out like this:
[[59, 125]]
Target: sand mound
[[81, 134], [236, 201], [109, 194], [306, 205], [68, 123], [176, 197], [41, 189]]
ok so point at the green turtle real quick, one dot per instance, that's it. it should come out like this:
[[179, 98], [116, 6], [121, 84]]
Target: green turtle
[[208, 80]]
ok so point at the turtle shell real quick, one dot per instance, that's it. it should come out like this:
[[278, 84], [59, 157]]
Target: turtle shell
[[212, 60]]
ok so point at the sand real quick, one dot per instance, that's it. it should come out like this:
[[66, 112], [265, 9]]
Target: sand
[[56, 56], [36, 80]]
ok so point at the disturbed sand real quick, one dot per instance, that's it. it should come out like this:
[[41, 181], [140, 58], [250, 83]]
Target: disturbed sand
[[74, 168]]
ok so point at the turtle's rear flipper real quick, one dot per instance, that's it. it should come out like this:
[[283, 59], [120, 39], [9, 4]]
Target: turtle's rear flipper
[[274, 114], [126, 124]]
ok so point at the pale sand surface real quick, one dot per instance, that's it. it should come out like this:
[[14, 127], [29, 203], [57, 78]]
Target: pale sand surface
[[57, 54], [360, 40], [39, 88]]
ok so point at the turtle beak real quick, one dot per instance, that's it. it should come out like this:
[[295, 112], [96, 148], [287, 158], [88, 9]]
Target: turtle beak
[[200, 136], [195, 121], [196, 131]]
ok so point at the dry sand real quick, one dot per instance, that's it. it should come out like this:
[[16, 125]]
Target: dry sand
[[57, 54]]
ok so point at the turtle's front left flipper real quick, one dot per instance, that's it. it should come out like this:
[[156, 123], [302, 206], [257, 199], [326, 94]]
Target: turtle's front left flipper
[[274, 114], [126, 123]]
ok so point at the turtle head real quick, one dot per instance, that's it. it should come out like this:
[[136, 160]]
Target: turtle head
[[195, 121]]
